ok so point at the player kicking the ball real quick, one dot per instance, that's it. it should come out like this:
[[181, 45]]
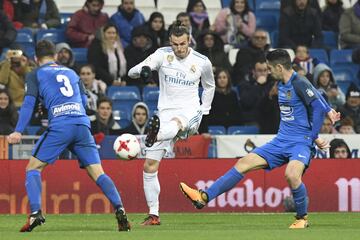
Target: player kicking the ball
[[302, 113], [180, 70], [69, 127]]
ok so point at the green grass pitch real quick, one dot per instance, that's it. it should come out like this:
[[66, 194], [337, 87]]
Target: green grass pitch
[[187, 226]]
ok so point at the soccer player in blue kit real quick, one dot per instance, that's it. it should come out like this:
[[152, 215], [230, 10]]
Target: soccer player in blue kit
[[302, 113], [69, 127]]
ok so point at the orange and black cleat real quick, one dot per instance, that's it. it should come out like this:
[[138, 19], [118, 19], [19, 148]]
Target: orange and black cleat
[[151, 220], [196, 196], [123, 223], [300, 222]]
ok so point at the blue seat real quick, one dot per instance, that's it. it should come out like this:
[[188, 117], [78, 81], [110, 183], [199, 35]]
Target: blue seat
[[80, 55], [250, 129], [54, 35], [65, 19], [121, 111], [217, 130], [330, 39], [320, 54], [126, 96], [124, 123], [274, 37], [32, 130], [340, 57], [342, 73], [150, 94], [267, 5], [344, 85], [25, 38], [266, 21]]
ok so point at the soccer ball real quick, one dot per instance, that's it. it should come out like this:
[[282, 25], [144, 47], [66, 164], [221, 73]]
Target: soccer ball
[[126, 146]]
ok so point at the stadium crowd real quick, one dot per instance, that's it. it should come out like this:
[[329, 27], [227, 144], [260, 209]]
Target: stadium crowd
[[323, 37]]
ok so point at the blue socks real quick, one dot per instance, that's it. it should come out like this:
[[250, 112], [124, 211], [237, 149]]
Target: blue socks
[[224, 183], [109, 189], [33, 189], [300, 199]]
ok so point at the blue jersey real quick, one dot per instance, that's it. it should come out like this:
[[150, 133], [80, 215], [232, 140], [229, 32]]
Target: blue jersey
[[295, 99], [59, 89]]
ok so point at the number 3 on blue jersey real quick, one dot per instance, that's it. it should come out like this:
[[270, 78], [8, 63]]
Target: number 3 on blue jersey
[[67, 90]]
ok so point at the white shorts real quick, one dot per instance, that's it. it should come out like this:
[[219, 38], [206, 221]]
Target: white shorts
[[190, 121]]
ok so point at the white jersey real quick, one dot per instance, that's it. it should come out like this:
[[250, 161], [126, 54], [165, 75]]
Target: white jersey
[[179, 79]]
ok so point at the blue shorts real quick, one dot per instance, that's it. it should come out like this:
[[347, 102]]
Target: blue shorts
[[279, 152], [76, 137]]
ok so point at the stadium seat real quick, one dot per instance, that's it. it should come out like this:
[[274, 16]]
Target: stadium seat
[[150, 93], [32, 130], [249, 129], [274, 37], [124, 123], [217, 130], [232, 55], [320, 54], [343, 73], [80, 55], [343, 85], [54, 35], [340, 57], [266, 21], [121, 111], [267, 5], [124, 96], [330, 39], [25, 38], [65, 19]]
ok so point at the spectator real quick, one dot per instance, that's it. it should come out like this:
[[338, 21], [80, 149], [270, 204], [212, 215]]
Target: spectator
[[269, 111], [184, 18], [349, 27], [246, 57], [225, 106], [256, 86], [95, 89], [7, 32], [140, 48], [84, 23], [126, 19], [140, 117], [211, 45], [106, 53], [12, 74], [235, 24], [328, 127], [304, 60], [9, 9], [331, 15], [39, 14], [103, 122], [312, 3], [346, 126], [65, 56], [8, 113], [339, 149], [352, 106], [156, 27], [324, 81], [300, 25], [199, 17]]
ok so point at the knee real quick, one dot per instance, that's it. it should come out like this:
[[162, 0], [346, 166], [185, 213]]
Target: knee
[[293, 179], [242, 165], [151, 166]]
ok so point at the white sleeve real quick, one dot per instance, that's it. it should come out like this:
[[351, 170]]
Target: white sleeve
[[208, 83], [154, 61]]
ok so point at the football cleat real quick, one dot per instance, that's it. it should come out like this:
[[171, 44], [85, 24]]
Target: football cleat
[[300, 222], [34, 220], [151, 220], [194, 195], [123, 223], [153, 129]]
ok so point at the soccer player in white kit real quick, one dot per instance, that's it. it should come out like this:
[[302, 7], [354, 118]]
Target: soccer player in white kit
[[180, 71]]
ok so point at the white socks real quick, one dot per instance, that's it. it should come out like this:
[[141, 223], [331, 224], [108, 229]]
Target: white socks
[[168, 131], [152, 192]]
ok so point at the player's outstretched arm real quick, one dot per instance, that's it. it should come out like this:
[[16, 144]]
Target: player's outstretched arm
[[152, 62]]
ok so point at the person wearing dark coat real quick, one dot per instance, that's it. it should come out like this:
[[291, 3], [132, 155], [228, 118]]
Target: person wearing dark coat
[[8, 113], [7, 32], [247, 56], [140, 117], [312, 3], [351, 108], [156, 27], [331, 15], [300, 24], [210, 44]]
